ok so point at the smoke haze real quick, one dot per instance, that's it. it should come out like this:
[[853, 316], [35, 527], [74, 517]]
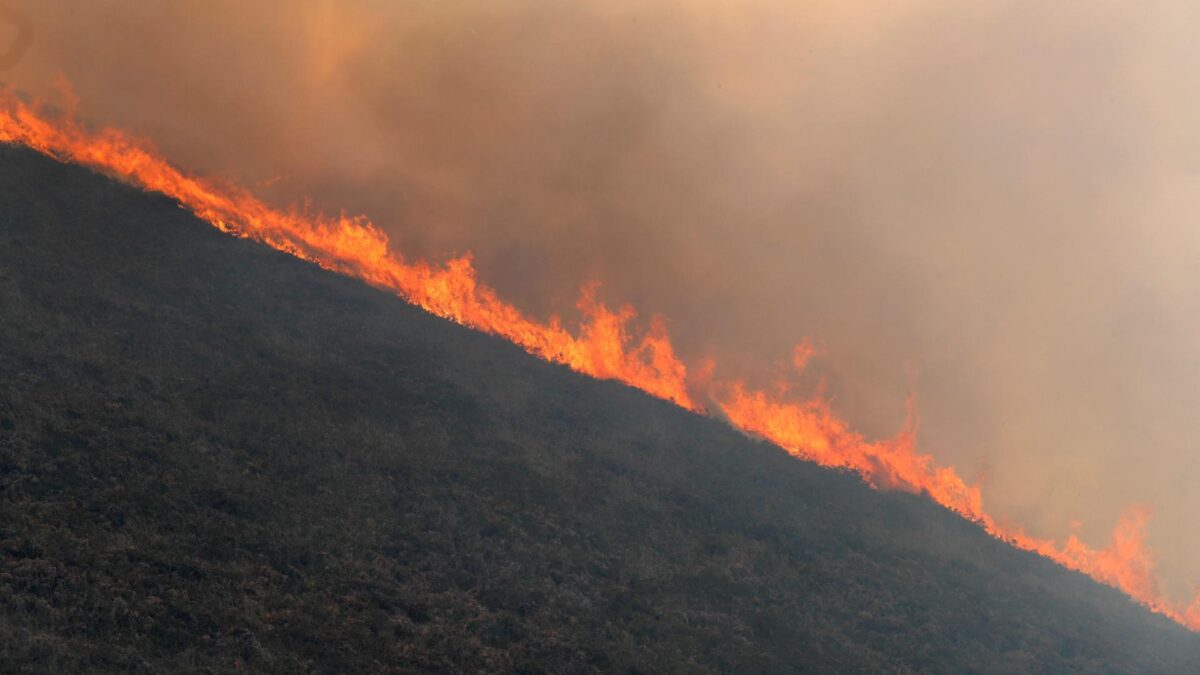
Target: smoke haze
[[996, 196]]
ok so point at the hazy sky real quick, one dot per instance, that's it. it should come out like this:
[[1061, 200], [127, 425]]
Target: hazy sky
[[997, 196]]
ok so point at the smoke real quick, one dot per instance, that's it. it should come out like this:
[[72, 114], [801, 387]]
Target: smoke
[[996, 195], [20, 41]]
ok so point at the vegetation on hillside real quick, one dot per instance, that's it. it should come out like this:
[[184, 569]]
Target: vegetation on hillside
[[214, 456]]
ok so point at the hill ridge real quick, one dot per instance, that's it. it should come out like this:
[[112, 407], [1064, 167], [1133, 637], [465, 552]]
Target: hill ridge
[[601, 346], [215, 456]]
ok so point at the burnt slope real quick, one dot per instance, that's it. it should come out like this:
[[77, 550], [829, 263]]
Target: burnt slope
[[213, 456]]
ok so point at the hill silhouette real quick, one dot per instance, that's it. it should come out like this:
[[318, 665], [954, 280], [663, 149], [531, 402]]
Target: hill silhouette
[[214, 456]]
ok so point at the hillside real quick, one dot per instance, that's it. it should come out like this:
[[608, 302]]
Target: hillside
[[215, 456]]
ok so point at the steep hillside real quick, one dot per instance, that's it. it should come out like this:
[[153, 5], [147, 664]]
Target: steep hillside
[[213, 456]]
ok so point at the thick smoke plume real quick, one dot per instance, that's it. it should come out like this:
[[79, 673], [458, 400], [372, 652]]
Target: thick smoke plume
[[22, 37], [995, 196]]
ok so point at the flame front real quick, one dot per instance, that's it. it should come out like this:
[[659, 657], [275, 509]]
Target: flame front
[[606, 344], [810, 430]]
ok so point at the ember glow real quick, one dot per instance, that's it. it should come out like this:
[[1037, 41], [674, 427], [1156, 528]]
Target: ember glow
[[608, 344]]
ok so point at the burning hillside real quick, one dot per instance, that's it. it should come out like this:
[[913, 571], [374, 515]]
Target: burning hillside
[[215, 456], [609, 344]]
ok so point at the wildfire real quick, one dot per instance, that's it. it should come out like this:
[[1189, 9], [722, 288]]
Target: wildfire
[[810, 430], [605, 345]]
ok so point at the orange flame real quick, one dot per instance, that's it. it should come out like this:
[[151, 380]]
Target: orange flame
[[604, 346], [810, 430]]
